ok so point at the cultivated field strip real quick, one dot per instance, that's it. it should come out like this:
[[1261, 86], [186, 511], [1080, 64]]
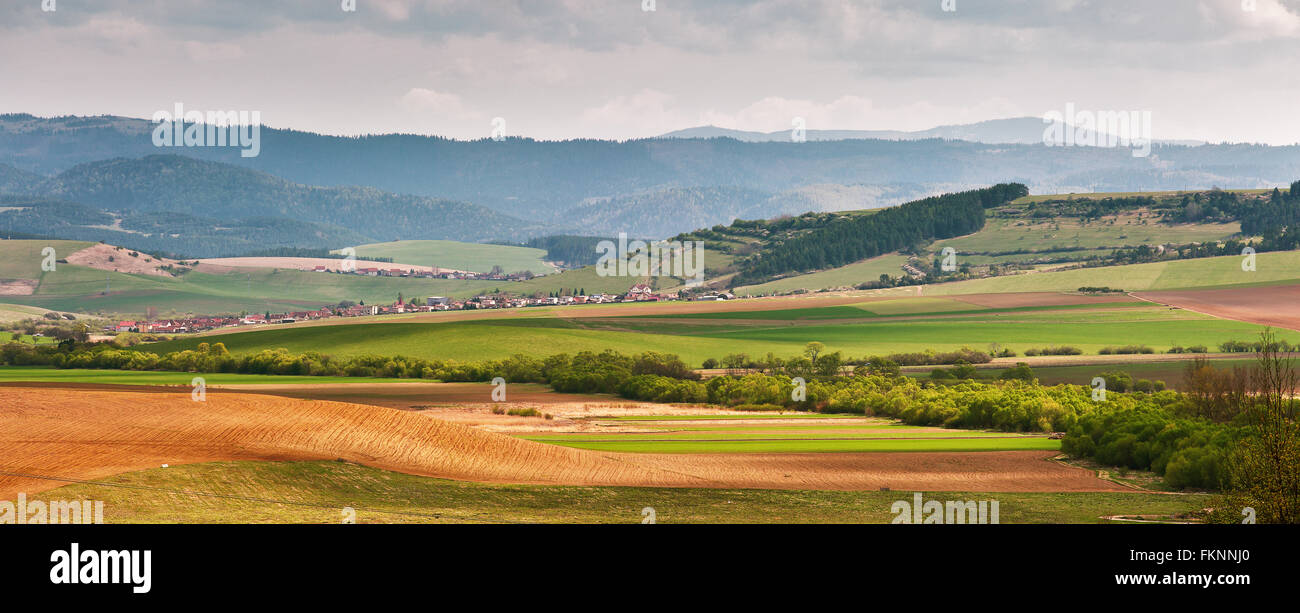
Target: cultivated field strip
[[82, 434]]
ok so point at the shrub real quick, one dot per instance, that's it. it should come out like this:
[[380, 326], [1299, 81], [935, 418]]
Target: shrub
[[1021, 371]]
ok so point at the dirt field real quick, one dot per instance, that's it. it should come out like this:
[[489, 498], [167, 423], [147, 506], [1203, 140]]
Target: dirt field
[[18, 287], [82, 434], [97, 257], [1276, 305]]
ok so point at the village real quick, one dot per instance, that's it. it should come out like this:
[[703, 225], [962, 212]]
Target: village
[[640, 292], [495, 275]]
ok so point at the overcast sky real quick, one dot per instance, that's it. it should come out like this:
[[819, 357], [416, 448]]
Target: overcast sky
[[555, 69]]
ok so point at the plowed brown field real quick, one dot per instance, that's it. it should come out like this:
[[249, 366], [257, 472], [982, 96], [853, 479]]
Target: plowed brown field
[[82, 434], [1273, 305]]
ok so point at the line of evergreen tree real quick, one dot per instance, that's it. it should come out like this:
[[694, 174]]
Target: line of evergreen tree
[[847, 240]]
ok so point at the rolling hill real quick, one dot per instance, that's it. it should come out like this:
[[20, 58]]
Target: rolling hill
[[540, 181], [197, 208], [1014, 130], [475, 257]]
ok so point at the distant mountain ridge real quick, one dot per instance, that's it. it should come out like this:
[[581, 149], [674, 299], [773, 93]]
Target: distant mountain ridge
[[218, 209], [553, 185], [1011, 131]]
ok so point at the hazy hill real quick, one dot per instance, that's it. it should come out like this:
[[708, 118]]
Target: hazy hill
[[543, 181], [1016, 130], [17, 181], [197, 208]]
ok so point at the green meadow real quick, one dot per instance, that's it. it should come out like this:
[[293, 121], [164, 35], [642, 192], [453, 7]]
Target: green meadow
[[475, 257], [75, 288], [807, 445], [1089, 329], [1002, 235], [1270, 268], [800, 436], [45, 374]]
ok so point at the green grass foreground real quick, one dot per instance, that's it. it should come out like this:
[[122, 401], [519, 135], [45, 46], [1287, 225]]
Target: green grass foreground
[[316, 492], [741, 444]]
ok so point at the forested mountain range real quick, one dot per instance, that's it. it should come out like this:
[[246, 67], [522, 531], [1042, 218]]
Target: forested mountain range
[[196, 208], [1014, 130], [544, 181]]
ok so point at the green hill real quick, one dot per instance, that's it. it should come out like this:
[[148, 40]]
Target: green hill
[[1027, 234], [88, 290], [1277, 267], [198, 208], [475, 257]]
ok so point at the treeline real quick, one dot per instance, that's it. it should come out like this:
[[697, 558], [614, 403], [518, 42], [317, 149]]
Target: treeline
[[572, 250], [852, 238], [1280, 211], [817, 361]]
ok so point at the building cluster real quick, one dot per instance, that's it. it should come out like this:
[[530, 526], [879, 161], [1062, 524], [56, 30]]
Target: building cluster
[[427, 274], [638, 293]]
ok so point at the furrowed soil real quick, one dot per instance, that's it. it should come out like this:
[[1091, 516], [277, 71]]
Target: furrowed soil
[[1274, 305], [91, 434]]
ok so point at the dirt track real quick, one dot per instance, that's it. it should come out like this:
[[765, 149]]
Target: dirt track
[[1272, 305], [85, 434]]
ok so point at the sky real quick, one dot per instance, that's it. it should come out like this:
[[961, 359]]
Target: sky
[[1213, 70]]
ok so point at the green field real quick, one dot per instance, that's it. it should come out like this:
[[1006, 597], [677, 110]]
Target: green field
[[21, 259], [30, 340], [11, 374], [17, 312], [474, 257], [1169, 372], [1089, 329], [1271, 268], [1001, 235], [811, 445], [1025, 239], [87, 290], [316, 492], [1101, 195], [809, 435]]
